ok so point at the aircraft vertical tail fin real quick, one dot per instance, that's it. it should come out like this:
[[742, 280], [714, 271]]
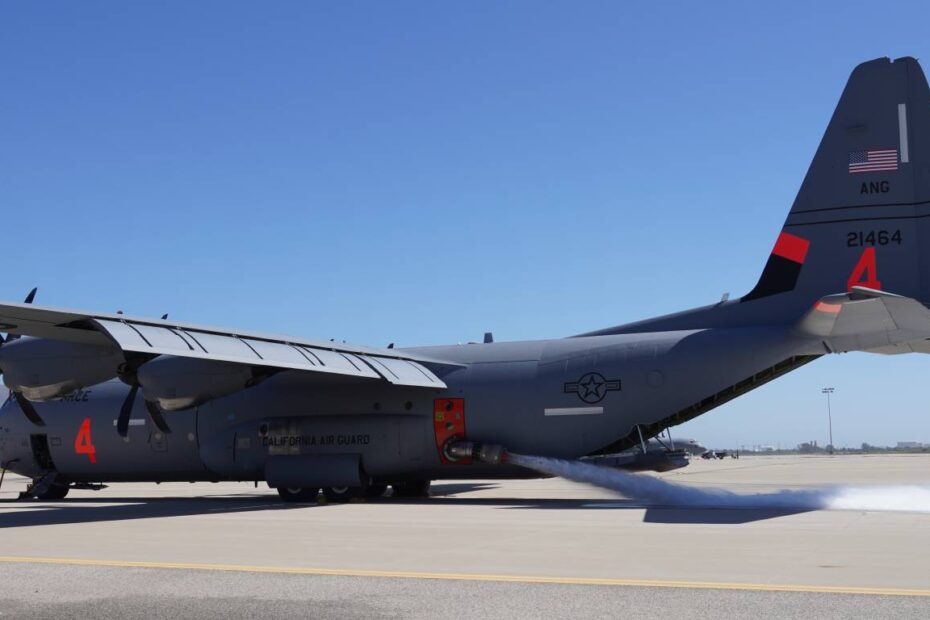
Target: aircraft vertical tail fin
[[858, 223], [863, 209]]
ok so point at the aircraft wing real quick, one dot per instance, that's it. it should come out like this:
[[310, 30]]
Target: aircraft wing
[[869, 320], [164, 337]]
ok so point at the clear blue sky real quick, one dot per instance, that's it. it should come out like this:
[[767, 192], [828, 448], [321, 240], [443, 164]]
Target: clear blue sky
[[424, 172]]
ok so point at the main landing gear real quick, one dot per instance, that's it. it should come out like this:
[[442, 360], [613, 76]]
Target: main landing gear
[[54, 492], [48, 487], [412, 489], [341, 495], [298, 494]]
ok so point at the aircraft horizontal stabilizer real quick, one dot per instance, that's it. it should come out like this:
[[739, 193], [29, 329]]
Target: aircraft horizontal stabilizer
[[870, 320]]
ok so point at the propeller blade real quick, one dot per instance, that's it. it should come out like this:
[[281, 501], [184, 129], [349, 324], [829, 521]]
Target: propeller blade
[[155, 413], [122, 422], [28, 410], [28, 300]]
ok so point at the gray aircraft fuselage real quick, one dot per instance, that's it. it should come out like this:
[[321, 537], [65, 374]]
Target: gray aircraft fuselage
[[563, 398]]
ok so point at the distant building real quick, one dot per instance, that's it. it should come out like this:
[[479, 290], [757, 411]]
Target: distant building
[[910, 445], [809, 447]]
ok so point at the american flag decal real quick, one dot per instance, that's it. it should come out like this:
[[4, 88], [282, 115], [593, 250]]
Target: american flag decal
[[873, 161]]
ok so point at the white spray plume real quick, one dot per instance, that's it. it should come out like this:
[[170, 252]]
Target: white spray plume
[[661, 492]]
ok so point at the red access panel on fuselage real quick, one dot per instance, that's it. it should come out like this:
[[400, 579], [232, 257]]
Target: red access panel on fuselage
[[449, 425]]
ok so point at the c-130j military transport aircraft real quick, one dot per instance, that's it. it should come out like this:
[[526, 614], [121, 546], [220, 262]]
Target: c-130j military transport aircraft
[[107, 397]]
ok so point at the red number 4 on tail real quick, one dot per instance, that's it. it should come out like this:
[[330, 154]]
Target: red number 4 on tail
[[865, 273], [83, 443]]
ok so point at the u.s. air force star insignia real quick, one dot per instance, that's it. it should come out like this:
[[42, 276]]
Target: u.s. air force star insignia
[[592, 387]]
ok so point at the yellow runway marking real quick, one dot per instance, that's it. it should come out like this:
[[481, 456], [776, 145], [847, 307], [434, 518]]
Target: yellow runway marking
[[578, 581]]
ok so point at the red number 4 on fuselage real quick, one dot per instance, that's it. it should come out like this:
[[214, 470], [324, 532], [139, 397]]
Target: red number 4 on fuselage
[[83, 443]]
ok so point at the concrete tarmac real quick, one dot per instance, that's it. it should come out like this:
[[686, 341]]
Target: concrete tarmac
[[531, 548]]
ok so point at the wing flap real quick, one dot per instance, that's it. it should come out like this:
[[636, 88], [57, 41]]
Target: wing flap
[[161, 337], [404, 372], [232, 348]]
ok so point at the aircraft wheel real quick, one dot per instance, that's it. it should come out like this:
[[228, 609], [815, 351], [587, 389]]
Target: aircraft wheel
[[298, 494], [416, 488], [375, 490], [340, 495], [55, 491]]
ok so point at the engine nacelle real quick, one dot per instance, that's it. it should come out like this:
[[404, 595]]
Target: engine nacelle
[[177, 383], [43, 369]]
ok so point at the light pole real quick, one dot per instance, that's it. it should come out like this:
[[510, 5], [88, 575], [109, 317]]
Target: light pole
[[828, 391]]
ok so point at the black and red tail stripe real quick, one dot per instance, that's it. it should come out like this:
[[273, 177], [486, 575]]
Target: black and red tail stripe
[[783, 267]]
